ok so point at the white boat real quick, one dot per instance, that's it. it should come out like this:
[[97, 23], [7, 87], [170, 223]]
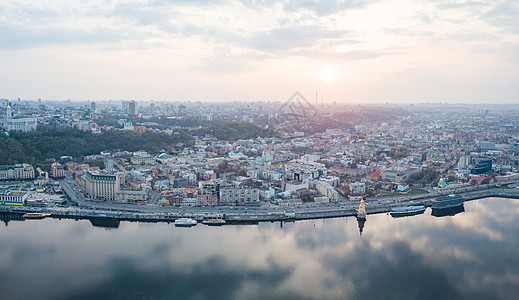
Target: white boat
[[404, 211], [185, 222]]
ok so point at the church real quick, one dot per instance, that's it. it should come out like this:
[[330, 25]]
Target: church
[[18, 124]]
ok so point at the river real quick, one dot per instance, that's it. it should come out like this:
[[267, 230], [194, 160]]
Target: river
[[471, 255]]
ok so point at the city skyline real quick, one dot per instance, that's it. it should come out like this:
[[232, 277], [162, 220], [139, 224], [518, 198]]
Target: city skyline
[[353, 51]]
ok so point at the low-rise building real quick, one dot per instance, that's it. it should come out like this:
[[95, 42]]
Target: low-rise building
[[131, 196], [327, 190], [207, 200], [190, 201], [16, 172], [142, 158], [395, 176], [57, 170], [13, 198], [358, 188], [165, 158], [322, 199]]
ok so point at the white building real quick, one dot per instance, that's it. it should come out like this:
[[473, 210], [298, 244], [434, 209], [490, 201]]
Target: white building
[[18, 124], [142, 158], [57, 170], [322, 199], [238, 196], [358, 188], [190, 201], [13, 198], [101, 186], [327, 190], [331, 180], [267, 194], [299, 170], [18, 171]]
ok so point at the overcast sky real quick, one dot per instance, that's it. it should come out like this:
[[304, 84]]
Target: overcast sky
[[382, 51]]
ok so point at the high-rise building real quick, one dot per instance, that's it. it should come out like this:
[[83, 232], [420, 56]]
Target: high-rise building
[[92, 110], [132, 108]]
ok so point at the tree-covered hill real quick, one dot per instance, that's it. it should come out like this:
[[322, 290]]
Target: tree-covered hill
[[48, 142], [235, 131]]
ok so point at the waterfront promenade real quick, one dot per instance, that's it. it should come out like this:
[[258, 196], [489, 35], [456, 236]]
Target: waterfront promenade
[[266, 213]]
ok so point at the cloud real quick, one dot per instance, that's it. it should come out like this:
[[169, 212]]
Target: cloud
[[501, 14], [223, 61], [29, 26], [348, 55], [316, 7], [504, 15], [324, 7], [288, 38], [142, 14], [29, 37], [457, 4], [396, 273], [209, 279]]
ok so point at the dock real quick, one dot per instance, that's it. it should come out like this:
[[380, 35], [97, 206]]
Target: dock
[[374, 206]]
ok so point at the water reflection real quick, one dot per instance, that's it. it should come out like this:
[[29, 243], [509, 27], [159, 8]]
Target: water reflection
[[7, 217], [448, 211], [471, 255], [105, 223]]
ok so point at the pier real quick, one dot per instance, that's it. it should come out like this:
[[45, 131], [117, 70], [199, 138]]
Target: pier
[[252, 215]]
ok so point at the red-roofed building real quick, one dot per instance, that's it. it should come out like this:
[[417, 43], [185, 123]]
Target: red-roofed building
[[374, 176], [477, 179]]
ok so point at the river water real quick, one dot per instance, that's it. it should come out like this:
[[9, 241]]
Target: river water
[[471, 255]]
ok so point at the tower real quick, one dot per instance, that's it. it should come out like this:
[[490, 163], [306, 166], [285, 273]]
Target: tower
[[92, 110], [361, 224], [9, 113], [132, 108]]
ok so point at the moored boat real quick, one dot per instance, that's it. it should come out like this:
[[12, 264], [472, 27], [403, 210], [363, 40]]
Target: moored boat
[[185, 222], [404, 211], [36, 215], [214, 222], [449, 201]]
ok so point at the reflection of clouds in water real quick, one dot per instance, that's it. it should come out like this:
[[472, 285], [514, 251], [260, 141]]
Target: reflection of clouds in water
[[414, 257], [397, 273], [208, 279]]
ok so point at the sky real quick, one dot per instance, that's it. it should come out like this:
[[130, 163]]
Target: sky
[[397, 51]]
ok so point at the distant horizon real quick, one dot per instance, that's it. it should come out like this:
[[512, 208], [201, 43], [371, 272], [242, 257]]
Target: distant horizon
[[264, 101]]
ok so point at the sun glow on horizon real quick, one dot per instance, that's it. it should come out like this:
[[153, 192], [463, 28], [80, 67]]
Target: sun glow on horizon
[[328, 74]]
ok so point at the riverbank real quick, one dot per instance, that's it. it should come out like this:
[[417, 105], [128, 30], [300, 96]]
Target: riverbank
[[254, 215]]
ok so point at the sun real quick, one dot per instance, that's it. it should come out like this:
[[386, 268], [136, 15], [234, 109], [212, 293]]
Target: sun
[[328, 74]]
